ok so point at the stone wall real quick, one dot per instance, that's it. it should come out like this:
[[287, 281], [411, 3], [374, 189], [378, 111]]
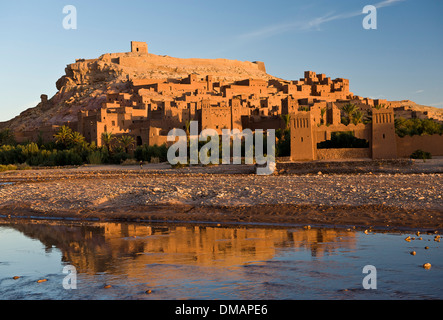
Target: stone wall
[[407, 145], [333, 154]]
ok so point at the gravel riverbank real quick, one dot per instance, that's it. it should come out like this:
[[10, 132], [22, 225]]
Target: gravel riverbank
[[413, 200]]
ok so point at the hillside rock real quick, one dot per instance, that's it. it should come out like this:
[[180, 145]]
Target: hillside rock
[[86, 83]]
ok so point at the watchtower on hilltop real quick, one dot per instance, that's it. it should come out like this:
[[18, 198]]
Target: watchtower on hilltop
[[139, 47]]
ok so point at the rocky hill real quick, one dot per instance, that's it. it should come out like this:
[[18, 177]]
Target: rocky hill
[[87, 82]]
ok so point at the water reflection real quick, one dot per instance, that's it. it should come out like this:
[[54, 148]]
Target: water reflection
[[211, 262], [127, 248]]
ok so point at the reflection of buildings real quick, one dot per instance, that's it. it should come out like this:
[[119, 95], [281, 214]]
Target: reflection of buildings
[[129, 248]]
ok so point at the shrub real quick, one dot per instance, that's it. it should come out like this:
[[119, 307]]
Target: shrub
[[145, 153], [340, 140], [412, 127], [118, 158], [130, 162], [7, 167], [283, 147], [7, 137], [95, 157], [420, 154]]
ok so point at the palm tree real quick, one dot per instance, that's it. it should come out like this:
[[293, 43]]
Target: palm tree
[[107, 138], [380, 106], [368, 117], [76, 138], [357, 117], [286, 119], [126, 142], [187, 127], [349, 109], [188, 132], [63, 136]]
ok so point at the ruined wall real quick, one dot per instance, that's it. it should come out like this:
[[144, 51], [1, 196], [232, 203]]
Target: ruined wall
[[407, 145]]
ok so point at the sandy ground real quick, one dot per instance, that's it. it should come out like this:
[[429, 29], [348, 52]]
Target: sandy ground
[[407, 198]]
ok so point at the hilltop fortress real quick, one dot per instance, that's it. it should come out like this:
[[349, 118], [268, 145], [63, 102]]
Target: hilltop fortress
[[146, 95]]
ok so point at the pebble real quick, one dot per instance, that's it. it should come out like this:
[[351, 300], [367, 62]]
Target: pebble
[[201, 188]]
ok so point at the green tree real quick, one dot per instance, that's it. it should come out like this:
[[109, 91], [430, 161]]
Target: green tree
[[76, 139], [7, 137], [380, 106], [287, 120], [411, 127], [349, 110], [126, 142], [107, 138], [357, 117], [63, 136]]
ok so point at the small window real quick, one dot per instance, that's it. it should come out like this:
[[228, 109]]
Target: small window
[[384, 136]]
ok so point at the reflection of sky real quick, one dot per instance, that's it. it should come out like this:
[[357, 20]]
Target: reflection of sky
[[20, 255], [282, 264]]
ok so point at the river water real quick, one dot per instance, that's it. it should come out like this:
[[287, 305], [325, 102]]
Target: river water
[[204, 262]]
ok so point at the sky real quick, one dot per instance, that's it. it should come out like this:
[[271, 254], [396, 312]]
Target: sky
[[401, 59]]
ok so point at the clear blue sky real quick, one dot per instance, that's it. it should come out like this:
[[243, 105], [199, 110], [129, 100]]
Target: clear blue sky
[[402, 59]]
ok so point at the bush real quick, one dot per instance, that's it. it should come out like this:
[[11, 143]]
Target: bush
[[67, 158], [7, 167], [284, 145], [420, 154], [146, 153], [342, 140], [95, 157], [130, 162], [118, 158], [412, 127]]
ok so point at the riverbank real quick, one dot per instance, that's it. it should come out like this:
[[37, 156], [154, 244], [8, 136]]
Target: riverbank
[[228, 194]]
